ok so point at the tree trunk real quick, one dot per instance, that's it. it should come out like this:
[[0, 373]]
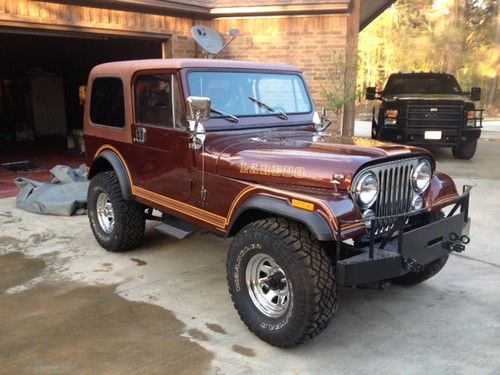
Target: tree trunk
[[350, 71]]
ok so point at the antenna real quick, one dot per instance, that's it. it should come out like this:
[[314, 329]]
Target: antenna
[[210, 40]]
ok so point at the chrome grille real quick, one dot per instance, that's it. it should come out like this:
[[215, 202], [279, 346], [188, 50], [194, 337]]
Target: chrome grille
[[395, 191]]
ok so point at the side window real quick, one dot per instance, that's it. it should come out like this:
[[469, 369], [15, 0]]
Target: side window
[[157, 101], [107, 106]]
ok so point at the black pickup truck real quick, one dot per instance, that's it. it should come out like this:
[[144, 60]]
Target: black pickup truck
[[427, 109]]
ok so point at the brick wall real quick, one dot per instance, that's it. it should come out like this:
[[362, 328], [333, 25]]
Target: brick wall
[[300, 41], [38, 14]]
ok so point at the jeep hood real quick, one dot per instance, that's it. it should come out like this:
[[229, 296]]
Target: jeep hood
[[297, 158]]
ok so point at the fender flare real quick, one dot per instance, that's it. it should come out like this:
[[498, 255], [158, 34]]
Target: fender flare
[[277, 207], [120, 170]]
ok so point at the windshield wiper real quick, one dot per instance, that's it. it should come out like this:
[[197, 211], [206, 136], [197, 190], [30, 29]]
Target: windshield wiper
[[225, 116], [280, 114]]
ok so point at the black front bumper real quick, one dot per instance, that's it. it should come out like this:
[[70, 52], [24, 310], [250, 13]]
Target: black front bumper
[[416, 137], [400, 251]]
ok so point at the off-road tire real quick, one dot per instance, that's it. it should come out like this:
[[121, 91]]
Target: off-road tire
[[129, 216], [309, 270], [429, 269], [465, 151]]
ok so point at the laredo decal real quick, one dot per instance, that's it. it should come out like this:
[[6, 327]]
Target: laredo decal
[[272, 170]]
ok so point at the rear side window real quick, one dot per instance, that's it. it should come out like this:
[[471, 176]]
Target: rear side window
[[107, 106]]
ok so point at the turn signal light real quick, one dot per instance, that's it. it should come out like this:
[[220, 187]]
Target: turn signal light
[[391, 113], [471, 119], [303, 205]]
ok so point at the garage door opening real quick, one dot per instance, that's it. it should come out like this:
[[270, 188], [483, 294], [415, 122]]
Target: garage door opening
[[41, 77], [41, 80]]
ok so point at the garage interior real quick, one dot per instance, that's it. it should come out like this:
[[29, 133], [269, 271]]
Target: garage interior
[[42, 77]]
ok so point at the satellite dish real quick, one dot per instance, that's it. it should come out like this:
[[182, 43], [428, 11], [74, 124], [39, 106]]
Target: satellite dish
[[208, 39]]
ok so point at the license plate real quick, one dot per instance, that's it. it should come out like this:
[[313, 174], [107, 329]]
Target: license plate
[[433, 134]]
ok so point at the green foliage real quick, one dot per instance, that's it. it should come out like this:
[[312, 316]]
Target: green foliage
[[334, 91], [453, 36]]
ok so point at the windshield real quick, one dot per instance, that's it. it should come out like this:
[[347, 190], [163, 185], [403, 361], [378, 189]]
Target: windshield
[[422, 84], [239, 93]]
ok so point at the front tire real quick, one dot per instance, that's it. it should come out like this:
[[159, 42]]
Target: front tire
[[281, 282], [465, 151], [117, 224]]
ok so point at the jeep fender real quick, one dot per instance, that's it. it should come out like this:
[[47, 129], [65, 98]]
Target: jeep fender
[[109, 158], [277, 207], [442, 191]]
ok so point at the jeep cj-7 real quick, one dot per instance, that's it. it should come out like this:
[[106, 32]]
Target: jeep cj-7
[[237, 148]]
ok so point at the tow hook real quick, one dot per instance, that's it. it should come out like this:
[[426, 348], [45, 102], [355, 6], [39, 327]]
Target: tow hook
[[457, 243], [411, 265], [457, 247]]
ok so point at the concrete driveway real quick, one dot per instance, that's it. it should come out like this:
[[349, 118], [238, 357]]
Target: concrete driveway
[[68, 306]]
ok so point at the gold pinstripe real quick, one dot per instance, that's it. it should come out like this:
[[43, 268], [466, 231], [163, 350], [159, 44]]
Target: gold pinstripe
[[445, 198], [181, 207]]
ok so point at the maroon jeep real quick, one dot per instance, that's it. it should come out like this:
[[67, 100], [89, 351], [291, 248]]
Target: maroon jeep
[[237, 148]]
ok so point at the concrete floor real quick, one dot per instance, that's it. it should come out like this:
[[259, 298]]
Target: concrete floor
[[68, 306]]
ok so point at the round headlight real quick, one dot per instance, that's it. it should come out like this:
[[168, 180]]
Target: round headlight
[[366, 189], [421, 176]]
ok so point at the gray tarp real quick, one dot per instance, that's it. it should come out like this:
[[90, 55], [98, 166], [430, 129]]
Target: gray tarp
[[65, 195]]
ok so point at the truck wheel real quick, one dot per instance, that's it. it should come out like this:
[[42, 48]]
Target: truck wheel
[[117, 224], [429, 269], [281, 281], [375, 134], [465, 150]]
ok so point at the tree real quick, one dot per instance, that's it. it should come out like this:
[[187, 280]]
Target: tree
[[456, 36], [336, 91]]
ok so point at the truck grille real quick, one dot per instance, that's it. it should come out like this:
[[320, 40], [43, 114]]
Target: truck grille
[[434, 116], [395, 191]]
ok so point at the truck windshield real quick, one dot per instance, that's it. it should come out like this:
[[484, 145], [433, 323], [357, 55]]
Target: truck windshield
[[239, 93], [422, 84]]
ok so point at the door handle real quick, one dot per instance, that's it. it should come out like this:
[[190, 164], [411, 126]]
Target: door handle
[[140, 135]]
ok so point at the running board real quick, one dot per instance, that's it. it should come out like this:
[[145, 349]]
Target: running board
[[174, 227]]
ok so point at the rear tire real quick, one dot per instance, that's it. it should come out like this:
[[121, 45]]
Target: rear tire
[[281, 281], [465, 151], [117, 224], [429, 269]]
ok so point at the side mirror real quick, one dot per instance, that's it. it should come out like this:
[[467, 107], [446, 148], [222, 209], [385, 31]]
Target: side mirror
[[198, 108], [475, 94], [371, 93], [321, 123]]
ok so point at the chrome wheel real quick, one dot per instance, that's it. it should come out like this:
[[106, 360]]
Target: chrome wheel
[[105, 214], [267, 285]]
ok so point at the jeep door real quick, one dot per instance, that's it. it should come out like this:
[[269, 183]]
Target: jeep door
[[160, 138]]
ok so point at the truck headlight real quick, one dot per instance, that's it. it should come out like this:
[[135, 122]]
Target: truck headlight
[[421, 176], [391, 116], [366, 189], [471, 119]]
